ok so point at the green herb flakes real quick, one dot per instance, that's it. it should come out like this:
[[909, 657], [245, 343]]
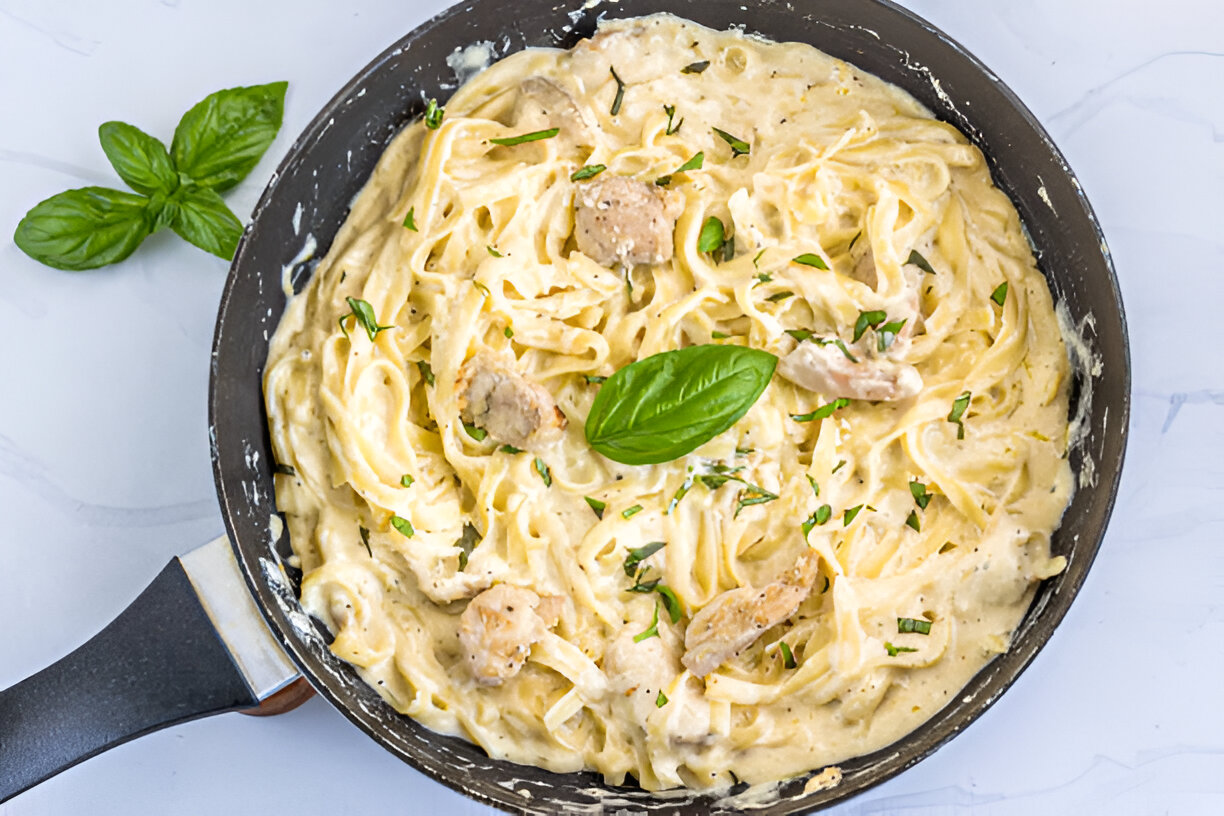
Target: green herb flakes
[[822, 515], [587, 171], [959, 405], [851, 514], [823, 412], [534, 136], [788, 657], [907, 625], [284, 470], [363, 313], [867, 320], [713, 235], [543, 470], [738, 146], [917, 260], [652, 630], [406, 480], [810, 259], [661, 700], [433, 115], [426, 372], [596, 505], [478, 434], [630, 512], [695, 67], [620, 92], [365, 539], [912, 521], [403, 525], [409, 221], [892, 650], [921, 497], [493, 251], [999, 295], [510, 449]]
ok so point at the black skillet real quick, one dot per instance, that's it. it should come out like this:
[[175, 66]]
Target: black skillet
[[161, 663]]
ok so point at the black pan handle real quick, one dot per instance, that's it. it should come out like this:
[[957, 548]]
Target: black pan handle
[[159, 663]]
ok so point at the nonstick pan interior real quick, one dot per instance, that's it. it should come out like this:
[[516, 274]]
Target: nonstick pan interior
[[308, 199]]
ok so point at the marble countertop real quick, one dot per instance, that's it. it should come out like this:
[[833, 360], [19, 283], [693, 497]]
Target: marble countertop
[[104, 461]]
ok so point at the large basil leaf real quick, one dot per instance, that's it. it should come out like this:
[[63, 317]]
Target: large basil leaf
[[668, 404], [138, 158], [221, 139], [85, 228], [204, 220]]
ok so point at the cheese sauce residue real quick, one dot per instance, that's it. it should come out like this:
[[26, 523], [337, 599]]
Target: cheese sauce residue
[[837, 579]]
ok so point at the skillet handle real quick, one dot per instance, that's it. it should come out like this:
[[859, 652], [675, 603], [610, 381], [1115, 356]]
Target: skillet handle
[[159, 663]]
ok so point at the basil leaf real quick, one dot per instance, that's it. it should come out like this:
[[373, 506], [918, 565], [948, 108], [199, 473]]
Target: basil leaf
[[662, 407], [851, 514], [912, 521], [695, 67], [799, 334], [620, 91], [203, 219], [999, 295], [410, 220], [823, 412], [85, 228], [867, 320], [588, 171], [140, 160], [220, 140], [534, 136], [433, 115], [917, 260], [661, 699], [810, 259], [713, 235], [596, 505], [822, 515], [670, 602], [510, 449], [921, 497], [403, 525], [738, 146]]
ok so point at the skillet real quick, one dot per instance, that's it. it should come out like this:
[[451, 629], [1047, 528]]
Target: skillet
[[193, 643]]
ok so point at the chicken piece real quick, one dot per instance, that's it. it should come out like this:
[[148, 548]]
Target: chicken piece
[[827, 370], [513, 409], [619, 220], [735, 619], [638, 671], [542, 104], [499, 627]]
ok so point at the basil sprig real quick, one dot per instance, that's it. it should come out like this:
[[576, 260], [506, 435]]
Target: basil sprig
[[216, 144], [662, 407]]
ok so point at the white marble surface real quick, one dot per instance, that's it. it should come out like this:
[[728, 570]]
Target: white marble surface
[[104, 470]]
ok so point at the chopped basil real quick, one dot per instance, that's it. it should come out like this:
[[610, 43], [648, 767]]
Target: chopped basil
[[534, 136], [433, 115], [695, 67], [958, 412], [671, 115], [738, 146], [799, 334], [921, 497], [810, 259], [999, 295], [917, 260], [823, 412], [721, 475], [867, 320], [406, 480], [743, 452], [596, 505], [892, 650], [695, 163], [640, 554], [661, 700], [284, 470], [670, 602], [476, 433], [713, 235], [757, 257], [886, 334], [481, 288], [363, 312], [851, 514], [854, 240], [777, 297], [680, 494], [587, 171], [840, 464], [912, 521], [822, 515], [907, 625], [652, 631], [825, 588], [593, 379], [948, 546], [543, 470], [408, 220], [663, 181], [493, 251], [365, 539], [630, 512], [644, 587], [403, 525], [510, 449], [620, 92], [717, 335], [815, 486], [728, 250], [750, 495], [426, 371], [466, 543], [788, 657]]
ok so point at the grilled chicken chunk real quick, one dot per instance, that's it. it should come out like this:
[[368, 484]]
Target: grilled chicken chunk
[[499, 627], [735, 619], [513, 409], [825, 369], [619, 220], [542, 103]]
